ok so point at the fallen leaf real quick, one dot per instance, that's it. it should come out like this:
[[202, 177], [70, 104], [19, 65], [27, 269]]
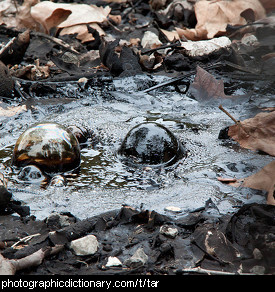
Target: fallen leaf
[[82, 31], [268, 5], [256, 133], [170, 35], [227, 180], [206, 87], [214, 16], [262, 180], [180, 10], [61, 15], [24, 18], [150, 40], [7, 11], [9, 111]]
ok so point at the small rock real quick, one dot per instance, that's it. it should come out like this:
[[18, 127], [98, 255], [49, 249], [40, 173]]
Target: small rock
[[59, 220], [86, 245], [113, 262], [258, 270], [257, 254], [168, 231], [138, 259], [172, 209]]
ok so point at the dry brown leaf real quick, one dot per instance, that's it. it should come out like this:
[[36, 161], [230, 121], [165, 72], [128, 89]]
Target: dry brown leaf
[[262, 180], [82, 31], [170, 35], [9, 111], [61, 15], [257, 133], [7, 11], [206, 87], [268, 5], [23, 15], [214, 16], [270, 195]]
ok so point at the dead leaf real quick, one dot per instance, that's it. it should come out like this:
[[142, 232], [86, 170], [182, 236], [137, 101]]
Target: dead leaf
[[227, 180], [214, 16], [150, 40], [262, 180], [82, 31], [268, 5], [270, 196], [61, 15], [170, 35], [9, 111], [8, 10], [206, 87], [24, 18], [180, 10], [256, 133]]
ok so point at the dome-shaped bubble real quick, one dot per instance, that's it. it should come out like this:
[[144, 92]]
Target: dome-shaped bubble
[[49, 146], [151, 144]]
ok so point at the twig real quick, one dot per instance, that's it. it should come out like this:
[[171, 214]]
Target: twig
[[57, 41], [173, 45], [182, 76], [238, 123], [210, 272], [7, 45], [230, 116], [25, 240], [241, 68]]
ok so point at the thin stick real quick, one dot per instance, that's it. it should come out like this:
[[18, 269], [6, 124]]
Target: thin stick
[[7, 45], [57, 41], [182, 76], [235, 121], [211, 272], [230, 116]]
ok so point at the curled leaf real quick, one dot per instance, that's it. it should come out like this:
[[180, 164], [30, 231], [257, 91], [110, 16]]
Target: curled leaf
[[256, 133], [214, 16]]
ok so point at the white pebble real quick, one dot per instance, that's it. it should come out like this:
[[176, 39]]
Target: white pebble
[[86, 245]]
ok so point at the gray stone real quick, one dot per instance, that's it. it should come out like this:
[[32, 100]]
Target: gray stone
[[258, 270], [138, 259], [86, 245], [113, 262], [168, 231]]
